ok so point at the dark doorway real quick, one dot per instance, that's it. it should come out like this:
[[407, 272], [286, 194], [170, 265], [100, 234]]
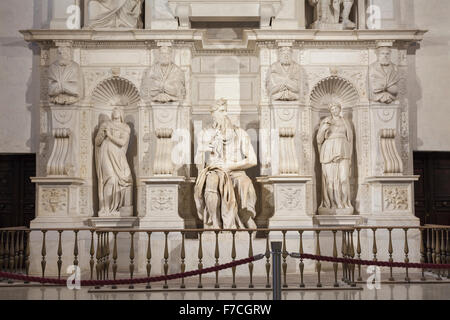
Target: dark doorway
[[432, 191], [17, 193]]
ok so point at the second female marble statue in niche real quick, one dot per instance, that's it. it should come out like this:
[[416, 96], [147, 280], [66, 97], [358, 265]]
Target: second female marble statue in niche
[[335, 142], [115, 181]]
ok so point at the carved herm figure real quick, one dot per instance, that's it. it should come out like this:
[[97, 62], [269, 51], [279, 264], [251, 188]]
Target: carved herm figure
[[64, 77], [283, 79], [224, 194], [165, 81], [384, 78]]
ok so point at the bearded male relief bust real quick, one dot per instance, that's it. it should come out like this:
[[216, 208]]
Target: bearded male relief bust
[[224, 194], [283, 80], [165, 81], [384, 78], [64, 79]]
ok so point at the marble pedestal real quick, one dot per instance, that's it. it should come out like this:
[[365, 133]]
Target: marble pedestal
[[289, 207], [160, 199], [57, 201]]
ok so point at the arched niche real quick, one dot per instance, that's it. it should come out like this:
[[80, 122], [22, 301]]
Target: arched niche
[[108, 94], [334, 88], [115, 87]]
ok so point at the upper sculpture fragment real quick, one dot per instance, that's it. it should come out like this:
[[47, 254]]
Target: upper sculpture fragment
[[115, 14], [332, 14]]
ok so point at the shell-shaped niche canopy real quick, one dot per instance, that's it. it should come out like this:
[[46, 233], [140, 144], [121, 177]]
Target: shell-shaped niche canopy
[[334, 89], [114, 89]]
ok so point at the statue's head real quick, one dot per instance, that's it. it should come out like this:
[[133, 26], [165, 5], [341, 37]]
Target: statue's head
[[219, 113], [335, 109], [165, 55], [118, 103], [285, 55], [384, 55], [117, 115], [64, 55]]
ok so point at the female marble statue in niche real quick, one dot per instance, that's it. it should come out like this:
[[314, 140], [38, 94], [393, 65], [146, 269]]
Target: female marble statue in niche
[[114, 175], [335, 141]]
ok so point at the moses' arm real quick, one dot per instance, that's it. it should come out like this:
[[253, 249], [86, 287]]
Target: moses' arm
[[250, 160]]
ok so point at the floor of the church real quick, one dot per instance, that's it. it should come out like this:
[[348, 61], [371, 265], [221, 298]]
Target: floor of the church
[[416, 290]]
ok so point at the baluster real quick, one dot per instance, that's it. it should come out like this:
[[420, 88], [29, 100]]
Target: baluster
[[406, 253], [374, 248], [448, 255], [27, 254], [216, 256], [429, 256], [358, 252], [16, 251], [183, 257], [149, 258], [433, 247], [250, 254], [131, 286], [75, 248], [166, 258], [391, 251], [103, 256], [43, 253], [114, 256], [267, 260], [318, 263], [1, 250], [7, 262], [107, 255], [6, 252], [344, 255], [233, 256], [284, 265], [21, 250], [92, 252], [11, 251], [335, 265], [59, 253], [422, 253], [98, 256], [200, 257], [352, 255], [301, 265], [438, 253], [443, 251]]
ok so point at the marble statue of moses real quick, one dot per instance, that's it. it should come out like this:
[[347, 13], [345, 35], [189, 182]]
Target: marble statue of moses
[[224, 195]]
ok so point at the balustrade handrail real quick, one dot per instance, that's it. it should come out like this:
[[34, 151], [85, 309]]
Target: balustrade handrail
[[337, 228]]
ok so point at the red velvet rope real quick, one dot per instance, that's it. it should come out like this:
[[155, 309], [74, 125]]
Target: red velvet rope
[[132, 281], [371, 263]]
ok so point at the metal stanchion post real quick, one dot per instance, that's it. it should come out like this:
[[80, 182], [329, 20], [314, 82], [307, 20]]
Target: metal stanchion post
[[276, 273]]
